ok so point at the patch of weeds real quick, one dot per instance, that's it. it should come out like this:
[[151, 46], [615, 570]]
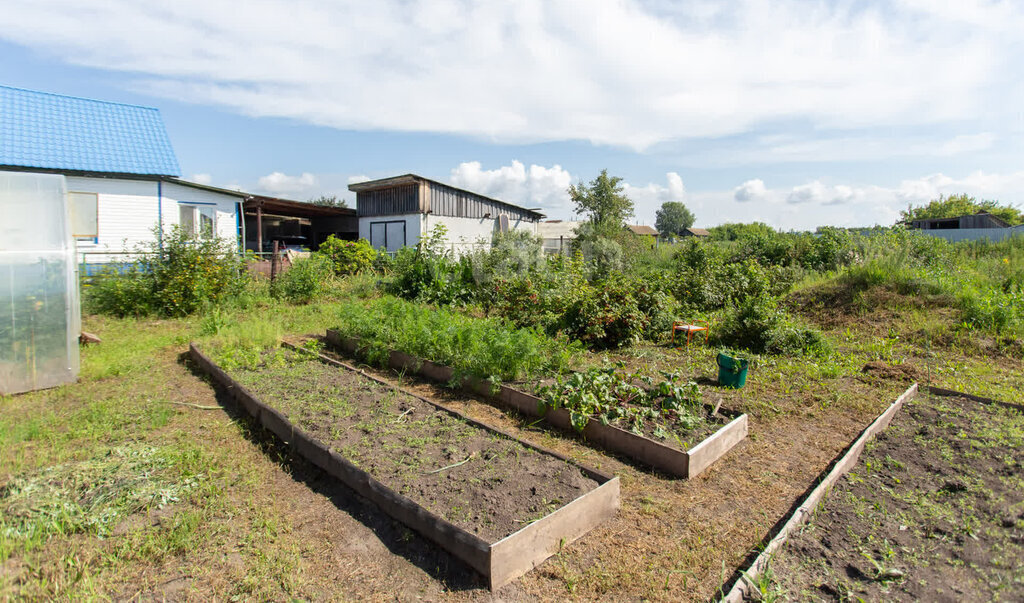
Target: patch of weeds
[[89, 496]]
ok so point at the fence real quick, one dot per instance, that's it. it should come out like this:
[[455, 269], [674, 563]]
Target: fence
[[975, 234]]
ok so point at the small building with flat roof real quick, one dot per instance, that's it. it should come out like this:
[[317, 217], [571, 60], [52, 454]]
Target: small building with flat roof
[[398, 212]]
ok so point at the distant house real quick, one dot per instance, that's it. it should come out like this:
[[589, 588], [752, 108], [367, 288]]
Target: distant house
[[643, 230], [397, 212], [972, 227], [979, 220], [695, 232], [120, 170]]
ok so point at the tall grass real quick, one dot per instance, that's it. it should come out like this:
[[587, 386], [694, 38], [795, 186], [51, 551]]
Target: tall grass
[[482, 347], [984, 280]]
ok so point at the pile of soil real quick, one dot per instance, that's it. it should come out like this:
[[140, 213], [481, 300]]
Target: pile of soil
[[933, 511], [479, 480]]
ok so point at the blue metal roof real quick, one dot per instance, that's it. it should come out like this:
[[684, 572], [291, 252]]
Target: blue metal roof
[[52, 131]]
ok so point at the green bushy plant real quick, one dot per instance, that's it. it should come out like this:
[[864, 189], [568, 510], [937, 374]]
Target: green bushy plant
[[482, 347], [306, 280], [758, 324], [348, 257], [174, 275]]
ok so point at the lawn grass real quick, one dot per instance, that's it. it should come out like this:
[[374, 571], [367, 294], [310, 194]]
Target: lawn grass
[[251, 522]]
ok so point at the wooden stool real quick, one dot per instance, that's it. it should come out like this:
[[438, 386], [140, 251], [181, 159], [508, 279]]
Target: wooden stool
[[690, 328]]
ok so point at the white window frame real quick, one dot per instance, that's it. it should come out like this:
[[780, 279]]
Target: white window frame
[[198, 212], [74, 197]]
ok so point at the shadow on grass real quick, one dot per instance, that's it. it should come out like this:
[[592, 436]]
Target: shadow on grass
[[399, 540]]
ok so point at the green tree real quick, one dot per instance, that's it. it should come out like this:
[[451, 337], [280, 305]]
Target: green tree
[[603, 202], [329, 201], [673, 218], [954, 206]]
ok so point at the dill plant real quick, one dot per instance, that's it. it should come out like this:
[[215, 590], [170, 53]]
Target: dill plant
[[488, 348]]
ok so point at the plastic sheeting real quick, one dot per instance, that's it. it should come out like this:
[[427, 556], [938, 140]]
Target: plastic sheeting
[[40, 318]]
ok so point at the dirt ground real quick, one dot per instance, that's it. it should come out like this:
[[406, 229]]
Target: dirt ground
[[276, 528], [479, 480], [934, 511]]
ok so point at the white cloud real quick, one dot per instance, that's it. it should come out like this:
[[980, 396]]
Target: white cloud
[[202, 178], [536, 186], [279, 183], [813, 204], [648, 198], [751, 190], [547, 188], [621, 72], [1005, 188], [358, 178], [816, 192]]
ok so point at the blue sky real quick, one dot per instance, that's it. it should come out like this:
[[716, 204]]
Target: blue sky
[[795, 112]]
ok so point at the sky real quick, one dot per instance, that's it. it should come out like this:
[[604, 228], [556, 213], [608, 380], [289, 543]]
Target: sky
[[797, 113]]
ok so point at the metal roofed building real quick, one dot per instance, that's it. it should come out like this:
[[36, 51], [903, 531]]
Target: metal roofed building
[[120, 169], [397, 212]]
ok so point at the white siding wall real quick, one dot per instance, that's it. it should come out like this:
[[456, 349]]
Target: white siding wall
[[225, 205], [128, 211], [464, 234]]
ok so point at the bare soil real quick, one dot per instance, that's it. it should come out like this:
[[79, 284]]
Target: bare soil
[[479, 480], [934, 511]]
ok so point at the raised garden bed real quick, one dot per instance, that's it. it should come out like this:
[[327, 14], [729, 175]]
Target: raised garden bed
[[674, 460], [932, 510], [500, 504]]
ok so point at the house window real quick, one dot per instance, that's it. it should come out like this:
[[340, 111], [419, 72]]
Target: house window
[[389, 236], [84, 215], [197, 221]]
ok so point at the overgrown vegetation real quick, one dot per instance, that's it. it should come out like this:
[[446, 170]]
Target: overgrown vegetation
[[481, 347], [88, 497], [174, 275]]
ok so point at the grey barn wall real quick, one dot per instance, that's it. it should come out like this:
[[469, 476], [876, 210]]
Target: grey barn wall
[[449, 201], [391, 201]]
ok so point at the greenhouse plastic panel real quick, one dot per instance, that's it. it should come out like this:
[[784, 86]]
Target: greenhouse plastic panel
[[39, 307]]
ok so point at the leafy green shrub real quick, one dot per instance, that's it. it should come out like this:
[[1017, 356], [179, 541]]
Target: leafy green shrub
[[606, 316], [177, 278], [306, 280], [758, 324], [430, 274], [348, 257], [482, 347], [630, 400]]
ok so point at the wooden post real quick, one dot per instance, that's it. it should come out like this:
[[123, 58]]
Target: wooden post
[[259, 230], [273, 263]]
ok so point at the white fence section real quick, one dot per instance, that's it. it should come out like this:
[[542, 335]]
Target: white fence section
[[975, 234]]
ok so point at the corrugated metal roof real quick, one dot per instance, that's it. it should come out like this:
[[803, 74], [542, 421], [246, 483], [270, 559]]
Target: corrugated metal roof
[[407, 179], [52, 131]]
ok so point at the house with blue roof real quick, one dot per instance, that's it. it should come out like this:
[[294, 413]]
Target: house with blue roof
[[121, 172]]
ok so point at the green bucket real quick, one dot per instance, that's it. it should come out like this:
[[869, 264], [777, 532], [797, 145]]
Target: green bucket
[[732, 372]]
